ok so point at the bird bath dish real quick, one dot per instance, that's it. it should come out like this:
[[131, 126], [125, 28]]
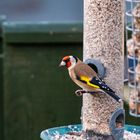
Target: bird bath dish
[[74, 132]]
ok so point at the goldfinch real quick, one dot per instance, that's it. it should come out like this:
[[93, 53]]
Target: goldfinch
[[85, 77]]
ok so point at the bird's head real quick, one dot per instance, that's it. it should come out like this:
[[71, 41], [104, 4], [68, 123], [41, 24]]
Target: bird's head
[[69, 61]]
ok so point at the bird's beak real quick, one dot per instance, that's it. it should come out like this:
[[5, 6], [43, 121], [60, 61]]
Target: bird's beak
[[62, 64]]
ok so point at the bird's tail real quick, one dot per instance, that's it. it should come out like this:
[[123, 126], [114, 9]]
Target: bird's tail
[[114, 96]]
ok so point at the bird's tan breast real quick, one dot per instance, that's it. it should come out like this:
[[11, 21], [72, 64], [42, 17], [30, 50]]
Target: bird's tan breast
[[72, 74]]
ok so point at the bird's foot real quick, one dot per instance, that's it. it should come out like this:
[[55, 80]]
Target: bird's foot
[[80, 92]]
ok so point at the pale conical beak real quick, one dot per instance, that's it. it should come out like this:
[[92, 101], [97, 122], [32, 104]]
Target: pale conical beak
[[62, 64]]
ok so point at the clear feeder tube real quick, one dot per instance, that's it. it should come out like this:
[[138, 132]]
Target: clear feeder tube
[[133, 54]]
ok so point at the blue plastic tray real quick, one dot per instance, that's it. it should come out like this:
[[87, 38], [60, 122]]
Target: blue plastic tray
[[49, 133]]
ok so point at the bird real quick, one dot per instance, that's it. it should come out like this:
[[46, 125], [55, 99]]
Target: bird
[[86, 77]]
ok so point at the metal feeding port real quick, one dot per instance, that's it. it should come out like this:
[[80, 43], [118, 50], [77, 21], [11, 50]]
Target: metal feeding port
[[133, 54]]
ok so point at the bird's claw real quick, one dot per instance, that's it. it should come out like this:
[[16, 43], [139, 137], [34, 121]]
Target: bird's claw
[[79, 92]]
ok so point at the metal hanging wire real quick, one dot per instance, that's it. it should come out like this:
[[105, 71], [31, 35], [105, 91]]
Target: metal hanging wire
[[132, 21]]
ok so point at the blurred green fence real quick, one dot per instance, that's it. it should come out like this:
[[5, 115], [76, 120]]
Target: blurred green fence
[[37, 93], [2, 19]]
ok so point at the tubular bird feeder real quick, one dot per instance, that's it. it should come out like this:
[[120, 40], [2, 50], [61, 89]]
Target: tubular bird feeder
[[104, 42]]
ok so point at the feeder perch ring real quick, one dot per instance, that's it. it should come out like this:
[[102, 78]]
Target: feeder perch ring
[[97, 66], [117, 117]]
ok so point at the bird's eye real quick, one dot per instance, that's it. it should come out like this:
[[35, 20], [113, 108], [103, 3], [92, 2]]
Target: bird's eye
[[67, 60]]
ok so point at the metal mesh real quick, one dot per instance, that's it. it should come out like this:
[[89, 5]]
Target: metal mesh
[[132, 17]]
